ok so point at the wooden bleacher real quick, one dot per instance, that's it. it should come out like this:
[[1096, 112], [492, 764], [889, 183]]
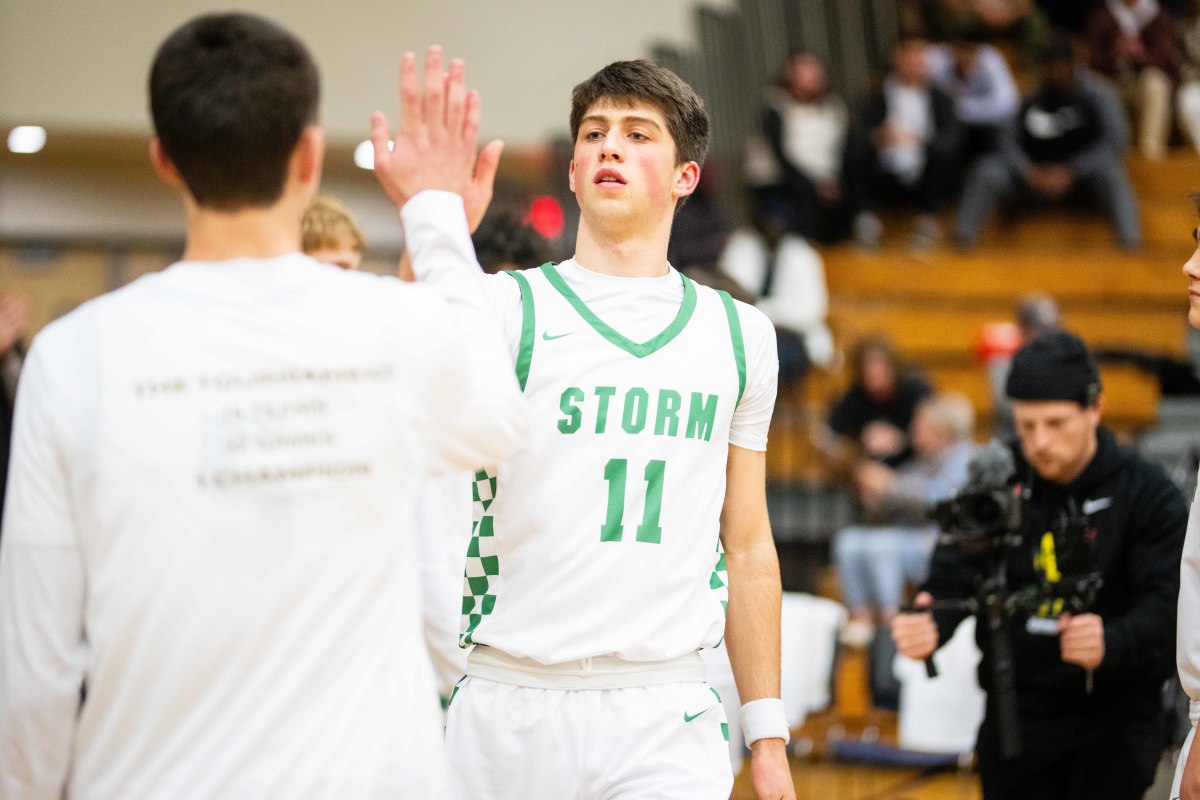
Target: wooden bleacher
[[934, 305]]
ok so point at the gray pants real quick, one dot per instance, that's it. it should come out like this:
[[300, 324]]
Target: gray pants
[[993, 181]]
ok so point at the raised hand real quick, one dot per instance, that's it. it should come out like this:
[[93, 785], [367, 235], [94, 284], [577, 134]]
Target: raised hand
[[436, 144]]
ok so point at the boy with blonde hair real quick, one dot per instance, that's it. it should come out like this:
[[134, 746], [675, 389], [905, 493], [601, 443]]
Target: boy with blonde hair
[[329, 234]]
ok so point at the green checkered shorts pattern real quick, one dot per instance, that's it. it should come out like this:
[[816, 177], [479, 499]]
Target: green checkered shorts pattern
[[483, 566]]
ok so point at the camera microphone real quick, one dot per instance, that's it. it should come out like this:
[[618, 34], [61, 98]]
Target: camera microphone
[[992, 467]]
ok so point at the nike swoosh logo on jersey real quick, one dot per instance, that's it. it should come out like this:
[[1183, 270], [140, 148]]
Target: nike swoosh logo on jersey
[[1092, 506], [689, 717], [547, 337]]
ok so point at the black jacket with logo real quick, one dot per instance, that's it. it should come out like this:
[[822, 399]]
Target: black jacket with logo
[[1136, 518]]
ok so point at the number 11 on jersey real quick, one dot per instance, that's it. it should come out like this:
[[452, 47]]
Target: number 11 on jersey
[[615, 472]]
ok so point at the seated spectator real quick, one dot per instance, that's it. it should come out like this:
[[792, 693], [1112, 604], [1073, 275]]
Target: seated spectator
[[1068, 15], [893, 543], [503, 241], [801, 164], [786, 277], [1017, 21], [976, 75], [698, 238], [329, 234], [1066, 143], [872, 418], [913, 144], [1132, 43], [1187, 97]]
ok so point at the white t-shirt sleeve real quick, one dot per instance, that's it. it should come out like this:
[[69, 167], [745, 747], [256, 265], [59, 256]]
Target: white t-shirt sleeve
[[42, 647], [443, 520], [439, 243], [752, 419], [800, 299], [480, 413]]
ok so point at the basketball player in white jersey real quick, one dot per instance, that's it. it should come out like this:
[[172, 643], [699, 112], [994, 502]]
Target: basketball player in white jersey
[[594, 575], [207, 570], [1187, 650]]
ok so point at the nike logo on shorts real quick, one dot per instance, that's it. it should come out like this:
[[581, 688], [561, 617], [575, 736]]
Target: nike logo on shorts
[[547, 337], [689, 717]]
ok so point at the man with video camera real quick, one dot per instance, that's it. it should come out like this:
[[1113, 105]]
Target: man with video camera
[[1075, 586]]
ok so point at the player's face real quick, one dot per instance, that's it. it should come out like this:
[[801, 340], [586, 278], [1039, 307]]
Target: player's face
[[1058, 437], [344, 257], [1191, 269], [624, 164]]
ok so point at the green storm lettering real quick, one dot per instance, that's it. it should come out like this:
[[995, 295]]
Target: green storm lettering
[[603, 394], [666, 420], [569, 405], [637, 402], [702, 416]]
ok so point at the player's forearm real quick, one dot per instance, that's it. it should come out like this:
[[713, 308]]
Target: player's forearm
[[752, 627], [440, 250]]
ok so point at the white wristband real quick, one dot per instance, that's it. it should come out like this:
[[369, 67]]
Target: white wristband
[[764, 719]]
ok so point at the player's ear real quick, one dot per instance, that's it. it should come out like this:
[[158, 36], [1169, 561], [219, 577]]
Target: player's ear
[[571, 175], [164, 167], [309, 155], [687, 178]]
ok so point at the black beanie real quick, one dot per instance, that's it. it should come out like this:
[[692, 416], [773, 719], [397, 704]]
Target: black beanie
[[1055, 366]]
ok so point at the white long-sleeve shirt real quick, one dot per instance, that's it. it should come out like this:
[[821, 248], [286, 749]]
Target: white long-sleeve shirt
[[209, 526], [987, 94], [799, 299]]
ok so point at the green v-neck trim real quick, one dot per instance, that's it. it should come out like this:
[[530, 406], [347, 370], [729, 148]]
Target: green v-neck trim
[[636, 349]]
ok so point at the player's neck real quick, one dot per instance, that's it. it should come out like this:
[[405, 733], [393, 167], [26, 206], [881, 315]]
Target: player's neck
[[249, 233], [620, 253]]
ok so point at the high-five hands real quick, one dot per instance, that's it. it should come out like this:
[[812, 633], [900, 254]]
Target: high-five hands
[[436, 144]]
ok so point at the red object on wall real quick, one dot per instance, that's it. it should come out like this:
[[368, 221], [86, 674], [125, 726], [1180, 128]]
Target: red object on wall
[[546, 216], [997, 339]]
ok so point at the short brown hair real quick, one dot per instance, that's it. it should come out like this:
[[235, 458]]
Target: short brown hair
[[230, 95], [327, 225], [624, 83]]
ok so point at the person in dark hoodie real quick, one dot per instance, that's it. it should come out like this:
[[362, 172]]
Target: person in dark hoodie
[[1065, 145], [1088, 705]]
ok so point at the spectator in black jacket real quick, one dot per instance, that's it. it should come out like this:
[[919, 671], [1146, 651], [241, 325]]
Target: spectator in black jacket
[[1088, 685], [913, 139], [1066, 143], [804, 166], [871, 420]]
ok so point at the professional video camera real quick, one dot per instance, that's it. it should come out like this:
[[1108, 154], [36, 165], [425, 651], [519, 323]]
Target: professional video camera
[[988, 515], [988, 511], [986, 521]]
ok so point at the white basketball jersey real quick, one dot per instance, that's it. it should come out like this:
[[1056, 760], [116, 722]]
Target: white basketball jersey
[[600, 535]]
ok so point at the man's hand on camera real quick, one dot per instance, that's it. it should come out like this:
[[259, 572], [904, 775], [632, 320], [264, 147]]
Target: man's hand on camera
[[1081, 638], [915, 634]]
